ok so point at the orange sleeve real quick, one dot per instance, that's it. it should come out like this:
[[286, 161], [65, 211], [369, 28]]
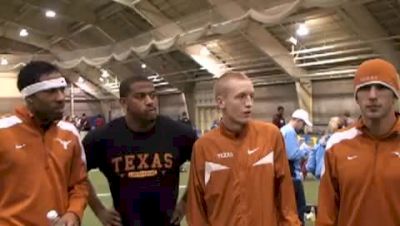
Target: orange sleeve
[[78, 188], [328, 197], [286, 202], [196, 208]]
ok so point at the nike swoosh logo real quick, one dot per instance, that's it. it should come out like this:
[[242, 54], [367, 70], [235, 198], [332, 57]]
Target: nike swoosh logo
[[252, 150], [352, 157], [396, 153], [19, 146]]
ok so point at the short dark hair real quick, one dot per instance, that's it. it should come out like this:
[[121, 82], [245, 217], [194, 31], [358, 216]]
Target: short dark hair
[[125, 85], [280, 108], [32, 72]]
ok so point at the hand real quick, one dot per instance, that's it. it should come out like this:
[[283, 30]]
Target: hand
[[109, 217], [304, 146], [68, 219], [179, 212]]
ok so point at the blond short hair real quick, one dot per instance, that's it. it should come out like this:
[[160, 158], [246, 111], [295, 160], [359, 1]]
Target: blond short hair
[[334, 124], [220, 83]]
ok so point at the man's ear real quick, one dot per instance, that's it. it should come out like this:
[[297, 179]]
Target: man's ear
[[356, 97], [395, 101], [29, 100], [220, 102], [122, 102]]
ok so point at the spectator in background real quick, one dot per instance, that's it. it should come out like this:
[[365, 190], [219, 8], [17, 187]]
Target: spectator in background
[[185, 119], [315, 160], [296, 153], [99, 121], [215, 123], [278, 118], [84, 124], [348, 121], [68, 118]]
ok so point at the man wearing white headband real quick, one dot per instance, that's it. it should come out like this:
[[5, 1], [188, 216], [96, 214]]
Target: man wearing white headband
[[42, 163]]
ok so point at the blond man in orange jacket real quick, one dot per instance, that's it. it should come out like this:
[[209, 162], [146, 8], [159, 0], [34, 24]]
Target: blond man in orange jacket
[[239, 173], [361, 181]]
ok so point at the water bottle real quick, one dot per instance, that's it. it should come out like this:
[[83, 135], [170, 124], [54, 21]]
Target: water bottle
[[53, 218], [314, 215], [311, 215]]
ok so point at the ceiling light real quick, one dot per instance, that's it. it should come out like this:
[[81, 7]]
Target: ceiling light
[[161, 84], [212, 44], [50, 14], [158, 79], [104, 73], [154, 76], [80, 80], [3, 61], [292, 40], [23, 32], [204, 51], [302, 30], [144, 65]]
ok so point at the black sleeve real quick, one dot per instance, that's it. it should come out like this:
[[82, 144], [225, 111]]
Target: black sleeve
[[91, 144], [191, 137]]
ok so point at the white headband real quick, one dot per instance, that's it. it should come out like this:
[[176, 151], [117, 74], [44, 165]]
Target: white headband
[[44, 85]]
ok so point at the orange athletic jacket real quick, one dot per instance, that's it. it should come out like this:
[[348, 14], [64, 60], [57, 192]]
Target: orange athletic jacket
[[241, 181], [361, 182], [39, 171]]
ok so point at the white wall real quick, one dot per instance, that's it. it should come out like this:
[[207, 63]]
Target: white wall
[[268, 98], [332, 98], [8, 83], [90, 108], [172, 105], [10, 96], [7, 105]]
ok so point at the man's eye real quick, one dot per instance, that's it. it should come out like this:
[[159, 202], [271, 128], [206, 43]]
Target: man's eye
[[139, 95]]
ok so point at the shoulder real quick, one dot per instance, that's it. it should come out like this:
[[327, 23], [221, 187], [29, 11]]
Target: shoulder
[[165, 120], [287, 129], [113, 125], [342, 136], [262, 126], [174, 127], [8, 121], [68, 127], [208, 139], [104, 132]]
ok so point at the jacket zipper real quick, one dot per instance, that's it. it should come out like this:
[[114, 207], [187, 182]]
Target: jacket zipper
[[46, 154], [375, 161]]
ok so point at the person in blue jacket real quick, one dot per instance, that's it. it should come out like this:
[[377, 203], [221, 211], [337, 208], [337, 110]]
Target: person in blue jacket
[[315, 160], [296, 152]]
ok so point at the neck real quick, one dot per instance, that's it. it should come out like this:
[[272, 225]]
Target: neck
[[292, 123], [380, 127], [231, 126], [40, 121], [139, 125]]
